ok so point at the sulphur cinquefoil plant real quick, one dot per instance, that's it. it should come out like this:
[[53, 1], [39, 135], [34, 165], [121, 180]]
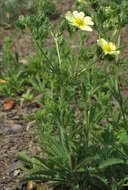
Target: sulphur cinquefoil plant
[[83, 120], [11, 75]]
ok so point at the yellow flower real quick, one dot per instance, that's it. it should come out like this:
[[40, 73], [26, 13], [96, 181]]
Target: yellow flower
[[79, 20], [81, 1], [108, 47]]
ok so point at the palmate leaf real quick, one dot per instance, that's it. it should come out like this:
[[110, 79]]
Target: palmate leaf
[[61, 166], [84, 162], [42, 174], [34, 178], [44, 163], [45, 176], [23, 157], [53, 147], [110, 162], [56, 154], [101, 179], [53, 161], [56, 147]]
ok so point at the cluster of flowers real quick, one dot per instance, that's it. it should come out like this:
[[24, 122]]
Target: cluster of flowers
[[83, 22]]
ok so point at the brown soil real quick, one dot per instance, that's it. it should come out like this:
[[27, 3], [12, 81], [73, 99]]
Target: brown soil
[[15, 135]]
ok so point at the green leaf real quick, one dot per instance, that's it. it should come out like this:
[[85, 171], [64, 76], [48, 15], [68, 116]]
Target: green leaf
[[110, 162], [92, 113], [23, 157], [84, 162], [101, 179]]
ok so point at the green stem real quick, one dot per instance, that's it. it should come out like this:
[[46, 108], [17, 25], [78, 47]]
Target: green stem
[[62, 106], [76, 66], [57, 49], [116, 67], [62, 126], [58, 52], [92, 66], [52, 89], [87, 125], [118, 84], [43, 53], [122, 109]]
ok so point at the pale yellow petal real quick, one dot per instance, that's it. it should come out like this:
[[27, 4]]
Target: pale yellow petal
[[69, 16], [86, 27], [77, 14], [88, 20], [101, 42], [112, 45]]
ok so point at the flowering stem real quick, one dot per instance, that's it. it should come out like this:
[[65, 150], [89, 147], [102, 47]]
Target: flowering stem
[[57, 49], [116, 68], [58, 52]]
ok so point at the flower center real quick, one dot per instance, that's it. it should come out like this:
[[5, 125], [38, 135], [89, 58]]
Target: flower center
[[79, 21], [107, 48]]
